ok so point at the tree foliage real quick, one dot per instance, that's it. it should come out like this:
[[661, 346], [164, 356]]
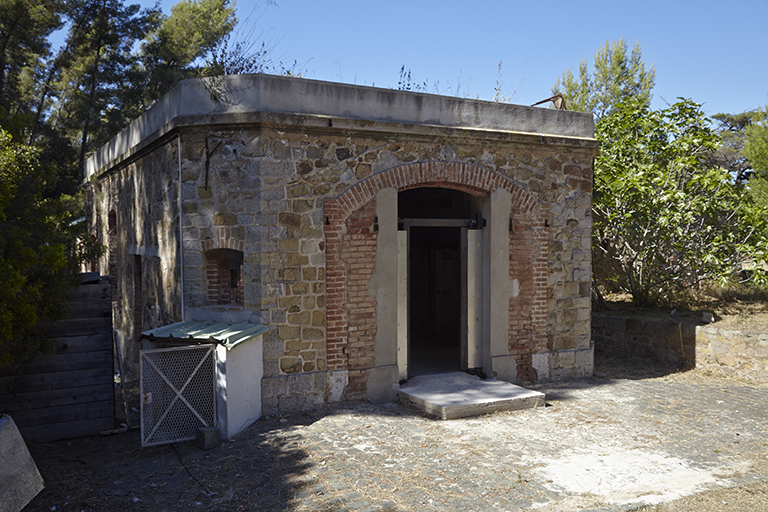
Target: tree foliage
[[756, 142], [116, 61], [730, 155], [664, 220], [97, 81], [756, 151], [193, 29], [24, 29], [671, 204], [178, 44], [36, 252], [618, 74], [58, 106]]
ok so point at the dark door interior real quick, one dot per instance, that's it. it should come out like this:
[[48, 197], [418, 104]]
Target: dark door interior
[[434, 299]]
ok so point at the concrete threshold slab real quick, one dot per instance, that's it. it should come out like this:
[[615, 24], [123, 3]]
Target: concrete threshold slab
[[459, 395]]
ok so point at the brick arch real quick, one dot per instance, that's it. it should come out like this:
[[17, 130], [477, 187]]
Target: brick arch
[[222, 240], [223, 255], [351, 244], [466, 177]]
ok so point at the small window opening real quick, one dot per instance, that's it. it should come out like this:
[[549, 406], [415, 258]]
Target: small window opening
[[225, 276]]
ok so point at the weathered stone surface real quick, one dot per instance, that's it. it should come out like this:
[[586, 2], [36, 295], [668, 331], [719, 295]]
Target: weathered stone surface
[[208, 438], [732, 352], [290, 364], [266, 193], [228, 219], [296, 345], [20, 481], [458, 395], [666, 341], [312, 333], [287, 332]]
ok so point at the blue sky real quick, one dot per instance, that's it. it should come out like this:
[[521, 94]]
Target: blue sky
[[715, 53]]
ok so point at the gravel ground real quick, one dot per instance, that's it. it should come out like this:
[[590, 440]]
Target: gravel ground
[[659, 439]]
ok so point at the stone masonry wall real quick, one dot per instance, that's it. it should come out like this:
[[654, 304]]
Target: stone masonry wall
[[145, 207], [569, 273], [663, 340], [265, 189], [723, 351], [732, 353]]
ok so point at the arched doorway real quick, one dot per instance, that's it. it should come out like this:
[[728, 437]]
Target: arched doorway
[[438, 226], [503, 240]]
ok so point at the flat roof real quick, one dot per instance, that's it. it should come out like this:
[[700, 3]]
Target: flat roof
[[244, 97]]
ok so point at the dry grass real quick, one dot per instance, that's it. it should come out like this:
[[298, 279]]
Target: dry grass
[[737, 308]]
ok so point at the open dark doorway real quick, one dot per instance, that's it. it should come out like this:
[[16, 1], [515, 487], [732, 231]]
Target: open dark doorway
[[435, 299], [436, 221]]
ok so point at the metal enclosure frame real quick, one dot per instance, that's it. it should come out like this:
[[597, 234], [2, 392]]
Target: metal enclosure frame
[[178, 393]]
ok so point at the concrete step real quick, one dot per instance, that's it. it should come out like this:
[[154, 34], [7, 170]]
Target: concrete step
[[459, 395]]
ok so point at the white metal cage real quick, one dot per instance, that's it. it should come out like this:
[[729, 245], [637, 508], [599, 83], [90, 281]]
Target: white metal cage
[[178, 393]]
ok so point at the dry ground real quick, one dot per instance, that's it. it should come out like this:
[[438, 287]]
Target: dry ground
[[733, 310], [73, 476], [273, 463], [744, 498]]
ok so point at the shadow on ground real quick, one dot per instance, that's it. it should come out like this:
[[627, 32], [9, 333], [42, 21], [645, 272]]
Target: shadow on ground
[[260, 470], [614, 365], [265, 468], [610, 367]]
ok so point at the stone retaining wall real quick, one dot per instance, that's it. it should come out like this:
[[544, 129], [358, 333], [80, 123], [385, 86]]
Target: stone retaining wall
[[732, 353], [664, 340]]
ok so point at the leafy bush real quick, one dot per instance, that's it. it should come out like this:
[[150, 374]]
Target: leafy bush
[[39, 252], [663, 219]]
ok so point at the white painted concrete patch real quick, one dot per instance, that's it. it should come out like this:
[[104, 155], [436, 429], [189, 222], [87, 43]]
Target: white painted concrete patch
[[622, 476], [618, 445]]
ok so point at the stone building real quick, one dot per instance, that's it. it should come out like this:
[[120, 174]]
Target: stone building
[[378, 234]]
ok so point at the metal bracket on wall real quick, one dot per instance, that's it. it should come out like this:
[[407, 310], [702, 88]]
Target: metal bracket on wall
[[208, 159], [477, 223]]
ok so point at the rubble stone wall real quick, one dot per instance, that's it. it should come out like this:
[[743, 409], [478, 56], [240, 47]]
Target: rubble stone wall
[[732, 353], [144, 199], [273, 188], [664, 340]]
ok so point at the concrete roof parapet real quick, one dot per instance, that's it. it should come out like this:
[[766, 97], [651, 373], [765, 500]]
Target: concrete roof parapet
[[245, 96]]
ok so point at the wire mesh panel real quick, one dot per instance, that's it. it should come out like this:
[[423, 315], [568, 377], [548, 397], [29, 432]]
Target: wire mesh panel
[[178, 393]]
